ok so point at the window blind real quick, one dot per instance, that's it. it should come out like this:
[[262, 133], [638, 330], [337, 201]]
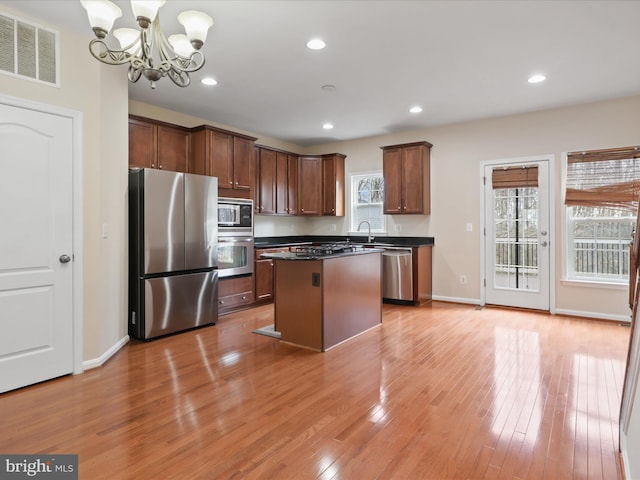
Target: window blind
[[604, 178], [514, 177]]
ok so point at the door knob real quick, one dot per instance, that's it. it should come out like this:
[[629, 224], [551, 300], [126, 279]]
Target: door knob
[[64, 259]]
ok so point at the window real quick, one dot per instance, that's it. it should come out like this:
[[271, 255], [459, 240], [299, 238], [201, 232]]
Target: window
[[367, 194], [599, 241], [602, 202]]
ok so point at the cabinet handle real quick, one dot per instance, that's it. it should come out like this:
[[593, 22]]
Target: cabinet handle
[[399, 208], [153, 165], [244, 298], [160, 167], [237, 183], [302, 210], [221, 302]]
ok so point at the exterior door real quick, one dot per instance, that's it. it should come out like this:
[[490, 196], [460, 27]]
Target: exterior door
[[517, 267], [36, 248]]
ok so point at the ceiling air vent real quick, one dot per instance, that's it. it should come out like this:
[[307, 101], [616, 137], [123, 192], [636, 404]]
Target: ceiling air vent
[[28, 51]]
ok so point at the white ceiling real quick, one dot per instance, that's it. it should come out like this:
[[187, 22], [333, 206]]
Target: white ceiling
[[459, 60]]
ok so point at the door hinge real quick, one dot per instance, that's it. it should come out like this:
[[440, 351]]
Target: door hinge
[[484, 281], [484, 180]]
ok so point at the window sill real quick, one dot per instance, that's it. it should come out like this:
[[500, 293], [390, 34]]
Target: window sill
[[595, 284]]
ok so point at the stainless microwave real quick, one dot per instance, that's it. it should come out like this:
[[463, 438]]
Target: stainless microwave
[[235, 213]]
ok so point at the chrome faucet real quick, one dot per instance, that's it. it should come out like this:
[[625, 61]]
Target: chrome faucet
[[369, 237]]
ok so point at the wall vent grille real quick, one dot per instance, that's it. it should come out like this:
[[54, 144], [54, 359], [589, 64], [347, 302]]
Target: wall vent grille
[[28, 51]]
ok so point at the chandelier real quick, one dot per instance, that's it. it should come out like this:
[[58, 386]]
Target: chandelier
[[147, 51]]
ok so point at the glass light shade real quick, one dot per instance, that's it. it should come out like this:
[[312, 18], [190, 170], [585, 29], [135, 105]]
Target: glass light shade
[[101, 13], [146, 8], [181, 44], [196, 25], [129, 38]]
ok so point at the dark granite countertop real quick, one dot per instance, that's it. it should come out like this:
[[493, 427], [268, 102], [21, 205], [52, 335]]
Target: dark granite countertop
[[290, 241], [306, 256]]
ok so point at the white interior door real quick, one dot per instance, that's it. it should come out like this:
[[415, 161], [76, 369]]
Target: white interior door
[[36, 275], [517, 238]]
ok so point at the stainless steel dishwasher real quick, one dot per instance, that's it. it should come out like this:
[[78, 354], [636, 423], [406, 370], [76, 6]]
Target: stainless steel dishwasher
[[397, 274]]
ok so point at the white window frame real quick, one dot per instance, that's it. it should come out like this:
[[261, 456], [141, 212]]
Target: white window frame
[[352, 217], [568, 276]]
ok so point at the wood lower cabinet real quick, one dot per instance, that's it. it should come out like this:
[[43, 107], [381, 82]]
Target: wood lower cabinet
[[422, 274], [226, 155], [235, 293], [406, 172], [154, 144], [265, 274]]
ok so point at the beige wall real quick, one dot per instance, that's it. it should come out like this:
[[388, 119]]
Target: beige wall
[[100, 93], [456, 157], [457, 153]]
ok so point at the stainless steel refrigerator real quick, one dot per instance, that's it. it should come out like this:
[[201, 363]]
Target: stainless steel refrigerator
[[173, 235]]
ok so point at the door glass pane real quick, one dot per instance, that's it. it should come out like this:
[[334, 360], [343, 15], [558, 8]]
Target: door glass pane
[[516, 238]]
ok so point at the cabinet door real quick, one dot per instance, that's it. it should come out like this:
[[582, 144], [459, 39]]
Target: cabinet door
[[173, 148], [333, 185], [221, 158], [292, 185], [413, 184], [143, 144], [310, 185], [282, 180], [391, 168], [267, 186], [264, 279], [242, 163]]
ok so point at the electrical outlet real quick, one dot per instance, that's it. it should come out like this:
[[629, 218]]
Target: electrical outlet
[[333, 227], [469, 227], [398, 228], [463, 279], [105, 230]]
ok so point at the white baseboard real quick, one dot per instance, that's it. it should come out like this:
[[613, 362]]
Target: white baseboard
[[470, 301], [98, 362], [595, 315], [573, 313]]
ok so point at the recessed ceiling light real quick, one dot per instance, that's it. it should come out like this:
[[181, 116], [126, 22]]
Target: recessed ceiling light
[[209, 81], [537, 78], [415, 109], [327, 126], [316, 44]]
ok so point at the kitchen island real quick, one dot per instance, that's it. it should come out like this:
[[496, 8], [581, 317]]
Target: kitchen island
[[325, 297]]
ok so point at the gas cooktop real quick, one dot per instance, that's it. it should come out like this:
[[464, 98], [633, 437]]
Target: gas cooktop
[[326, 249]]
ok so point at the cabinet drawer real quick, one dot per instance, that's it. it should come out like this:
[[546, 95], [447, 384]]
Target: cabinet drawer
[[244, 298]]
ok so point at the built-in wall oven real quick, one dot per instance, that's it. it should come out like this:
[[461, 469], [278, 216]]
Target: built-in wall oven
[[235, 237]]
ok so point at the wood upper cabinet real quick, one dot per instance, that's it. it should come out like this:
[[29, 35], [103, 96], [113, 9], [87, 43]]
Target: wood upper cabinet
[[154, 144], [310, 185], [265, 194], [226, 155], [292, 185], [406, 172], [333, 184], [276, 182]]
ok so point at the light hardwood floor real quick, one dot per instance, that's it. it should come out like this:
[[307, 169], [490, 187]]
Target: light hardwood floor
[[443, 391]]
